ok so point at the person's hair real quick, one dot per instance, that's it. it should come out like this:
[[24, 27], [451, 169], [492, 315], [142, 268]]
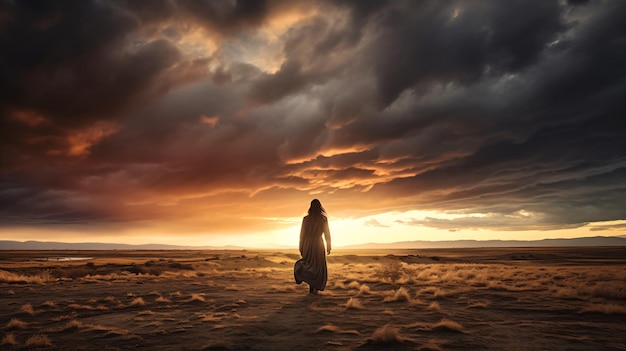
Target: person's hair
[[316, 208]]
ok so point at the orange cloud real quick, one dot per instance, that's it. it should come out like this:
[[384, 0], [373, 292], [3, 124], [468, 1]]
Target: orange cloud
[[30, 118], [81, 141]]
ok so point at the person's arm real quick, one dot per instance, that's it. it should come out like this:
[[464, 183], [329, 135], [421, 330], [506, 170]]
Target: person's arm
[[327, 236], [301, 235]]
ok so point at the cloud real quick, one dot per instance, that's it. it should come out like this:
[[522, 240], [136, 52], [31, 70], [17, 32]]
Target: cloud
[[505, 114], [375, 223]]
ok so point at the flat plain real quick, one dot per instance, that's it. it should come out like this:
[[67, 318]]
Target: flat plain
[[435, 299]]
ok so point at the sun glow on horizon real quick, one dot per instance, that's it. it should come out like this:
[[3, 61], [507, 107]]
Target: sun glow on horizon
[[386, 227]]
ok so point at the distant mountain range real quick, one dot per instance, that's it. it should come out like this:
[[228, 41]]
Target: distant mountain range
[[53, 245], [586, 241]]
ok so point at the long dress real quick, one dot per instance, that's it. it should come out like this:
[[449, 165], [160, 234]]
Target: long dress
[[311, 268]]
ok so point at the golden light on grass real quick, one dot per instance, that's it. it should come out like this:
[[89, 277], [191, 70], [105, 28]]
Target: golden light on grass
[[27, 308], [49, 304], [447, 324], [233, 287], [354, 304], [78, 306], [442, 300], [9, 339], [364, 290], [402, 294], [162, 299], [39, 340], [434, 306], [15, 323], [197, 297], [146, 313], [331, 328], [138, 301], [386, 334]]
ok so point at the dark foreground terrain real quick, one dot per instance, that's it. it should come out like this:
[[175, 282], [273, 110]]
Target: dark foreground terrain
[[461, 299]]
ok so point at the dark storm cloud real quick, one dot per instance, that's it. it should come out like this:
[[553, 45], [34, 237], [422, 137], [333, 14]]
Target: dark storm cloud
[[63, 59], [273, 87], [510, 109], [69, 66], [431, 42], [227, 16]]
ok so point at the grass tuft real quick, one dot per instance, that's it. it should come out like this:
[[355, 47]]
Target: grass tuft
[[15, 323], [385, 335], [399, 295], [197, 297], [28, 308], [138, 301], [39, 340], [9, 339], [447, 325], [434, 306], [354, 304]]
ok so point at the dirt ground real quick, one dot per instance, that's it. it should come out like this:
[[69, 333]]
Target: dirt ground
[[457, 299]]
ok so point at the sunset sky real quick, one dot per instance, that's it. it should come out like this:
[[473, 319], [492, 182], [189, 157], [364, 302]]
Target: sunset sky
[[217, 122]]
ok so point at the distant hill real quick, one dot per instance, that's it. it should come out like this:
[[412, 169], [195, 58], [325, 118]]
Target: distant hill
[[586, 241], [52, 245]]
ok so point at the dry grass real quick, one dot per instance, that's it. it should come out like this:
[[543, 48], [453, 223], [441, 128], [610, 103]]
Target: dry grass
[[327, 328], [430, 346], [28, 309], [138, 301], [402, 294], [335, 329], [354, 304], [146, 313], [78, 306], [428, 306], [364, 290], [611, 289], [49, 304], [233, 287], [447, 325], [9, 339], [390, 271], [39, 340], [41, 278], [479, 304], [86, 327], [434, 306], [162, 299], [385, 335], [15, 323], [196, 297], [112, 299]]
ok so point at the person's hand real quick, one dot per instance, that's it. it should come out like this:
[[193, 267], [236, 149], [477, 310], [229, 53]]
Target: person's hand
[[328, 252]]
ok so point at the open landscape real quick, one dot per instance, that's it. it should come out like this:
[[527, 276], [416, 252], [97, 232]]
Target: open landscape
[[431, 299]]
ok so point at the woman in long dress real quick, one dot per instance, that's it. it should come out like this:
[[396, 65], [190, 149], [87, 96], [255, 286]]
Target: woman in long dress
[[311, 268]]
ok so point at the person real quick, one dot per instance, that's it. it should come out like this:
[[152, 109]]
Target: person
[[311, 268]]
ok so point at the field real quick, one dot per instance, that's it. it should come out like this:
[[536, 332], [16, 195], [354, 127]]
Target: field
[[456, 299]]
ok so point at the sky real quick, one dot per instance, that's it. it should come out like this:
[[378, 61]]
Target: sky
[[217, 122]]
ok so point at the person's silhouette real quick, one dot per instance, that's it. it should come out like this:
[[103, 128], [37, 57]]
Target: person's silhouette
[[312, 268]]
